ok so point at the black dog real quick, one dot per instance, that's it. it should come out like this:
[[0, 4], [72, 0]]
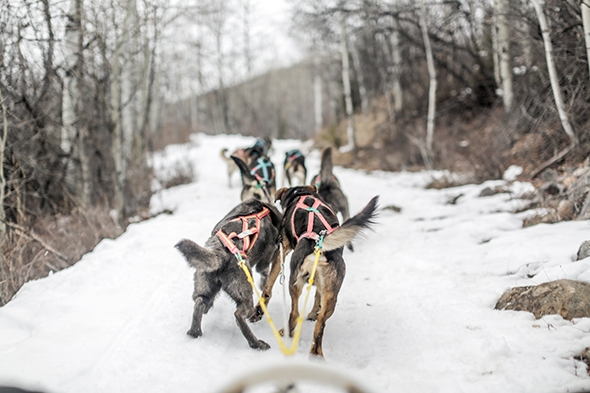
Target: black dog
[[294, 167], [250, 230], [258, 178], [308, 221]]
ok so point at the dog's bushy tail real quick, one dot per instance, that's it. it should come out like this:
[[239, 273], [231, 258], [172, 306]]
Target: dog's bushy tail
[[344, 234], [197, 256]]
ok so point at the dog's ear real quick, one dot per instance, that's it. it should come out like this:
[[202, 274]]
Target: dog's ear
[[279, 194]]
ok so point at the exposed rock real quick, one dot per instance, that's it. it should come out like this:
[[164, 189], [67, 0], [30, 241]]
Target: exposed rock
[[566, 210], [394, 208], [584, 356], [584, 250], [568, 298], [549, 218], [492, 191], [565, 197]]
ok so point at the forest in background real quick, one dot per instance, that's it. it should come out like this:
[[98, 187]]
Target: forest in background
[[89, 89]]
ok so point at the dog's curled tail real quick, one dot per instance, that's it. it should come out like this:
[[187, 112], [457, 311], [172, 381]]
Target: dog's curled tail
[[223, 154], [344, 234], [197, 256]]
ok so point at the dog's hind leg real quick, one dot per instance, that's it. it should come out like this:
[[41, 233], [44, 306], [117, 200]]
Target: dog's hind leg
[[203, 303], [327, 309], [244, 311], [301, 264], [275, 269], [313, 314]]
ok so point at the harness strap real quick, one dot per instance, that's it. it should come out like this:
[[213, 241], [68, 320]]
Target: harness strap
[[313, 212], [245, 235], [293, 154], [264, 165]]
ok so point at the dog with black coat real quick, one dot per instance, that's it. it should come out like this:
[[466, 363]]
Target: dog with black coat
[[307, 220], [250, 230], [261, 147], [258, 177], [294, 168]]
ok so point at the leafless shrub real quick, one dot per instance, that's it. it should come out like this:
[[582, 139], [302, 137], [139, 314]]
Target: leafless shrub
[[26, 252]]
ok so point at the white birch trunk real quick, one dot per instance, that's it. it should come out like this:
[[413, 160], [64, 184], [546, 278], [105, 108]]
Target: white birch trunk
[[586, 22], [501, 11], [116, 111], [495, 47], [563, 116], [431, 89], [351, 145], [130, 69], [72, 142], [2, 177], [398, 97], [317, 95]]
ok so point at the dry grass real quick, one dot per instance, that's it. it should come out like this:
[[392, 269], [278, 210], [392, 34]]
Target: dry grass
[[49, 245]]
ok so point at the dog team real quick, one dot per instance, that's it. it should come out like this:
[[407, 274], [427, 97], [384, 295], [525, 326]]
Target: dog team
[[249, 237]]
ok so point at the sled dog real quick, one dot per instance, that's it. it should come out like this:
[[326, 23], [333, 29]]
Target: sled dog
[[294, 168], [307, 221], [251, 231], [258, 177], [231, 165]]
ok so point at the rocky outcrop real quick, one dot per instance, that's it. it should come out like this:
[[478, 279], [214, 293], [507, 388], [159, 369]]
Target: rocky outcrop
[[568, 298], [584, 250], [564, 197]]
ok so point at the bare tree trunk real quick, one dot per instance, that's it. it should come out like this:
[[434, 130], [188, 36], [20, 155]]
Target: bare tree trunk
[[116, 108], [317, 94], [131, 68], [384, 72], [586, 22], [73, 133], [351, 145], [503, 37], [398, 97], [432, 88], [563, 116], [361, 79], [2, 177], [495, 47]]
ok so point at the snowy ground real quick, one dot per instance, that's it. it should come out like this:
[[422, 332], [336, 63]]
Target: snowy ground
[[415, 314]]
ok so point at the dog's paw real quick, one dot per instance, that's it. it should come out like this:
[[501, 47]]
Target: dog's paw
[[195, 333], [260, 345], [258, 313], [312, 316]]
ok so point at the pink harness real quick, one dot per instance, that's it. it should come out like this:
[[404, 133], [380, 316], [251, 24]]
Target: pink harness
[[313, 211]]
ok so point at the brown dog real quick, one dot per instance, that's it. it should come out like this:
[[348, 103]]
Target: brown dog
[[308, 221]]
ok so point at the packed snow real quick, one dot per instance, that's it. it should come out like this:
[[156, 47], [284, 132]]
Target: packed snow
[[415, 314]]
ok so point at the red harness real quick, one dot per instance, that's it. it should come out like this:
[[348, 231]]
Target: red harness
[[245, 235], [313, 212]]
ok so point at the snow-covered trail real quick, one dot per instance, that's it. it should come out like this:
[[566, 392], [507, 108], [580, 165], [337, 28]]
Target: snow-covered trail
[[415, 313]]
